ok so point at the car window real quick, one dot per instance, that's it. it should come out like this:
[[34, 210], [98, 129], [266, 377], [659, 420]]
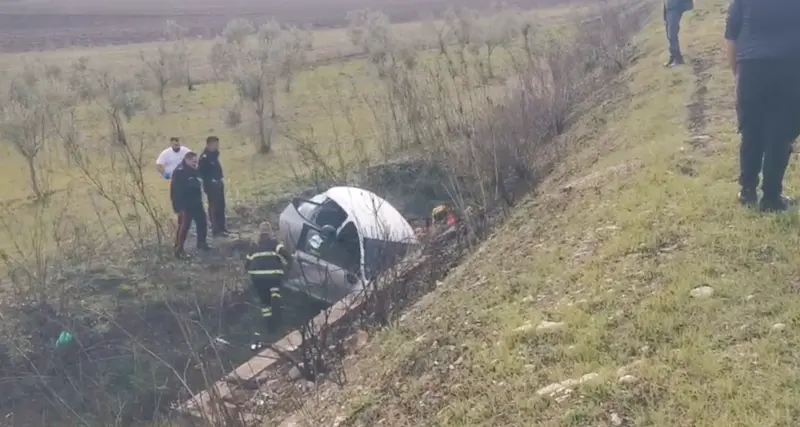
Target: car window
[[307, 209], [333, 251], [321, 211]]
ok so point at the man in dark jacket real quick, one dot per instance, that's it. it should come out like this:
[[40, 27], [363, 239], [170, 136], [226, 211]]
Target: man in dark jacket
[[673, 12], [210, 170], [267, 266], [763, 43], [187, 202]]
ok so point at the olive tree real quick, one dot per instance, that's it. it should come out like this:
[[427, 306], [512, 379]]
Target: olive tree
[[371, 33], [298, 43], [498, 31], [168, 65], [31, 108], [464, 29], [160, 72], [179, 50], [118, 98], [255, 61]]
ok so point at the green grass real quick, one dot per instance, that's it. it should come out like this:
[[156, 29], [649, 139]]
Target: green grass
[[623, 232]]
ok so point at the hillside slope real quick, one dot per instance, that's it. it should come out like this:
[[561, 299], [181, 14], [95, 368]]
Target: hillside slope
[[671, 305]]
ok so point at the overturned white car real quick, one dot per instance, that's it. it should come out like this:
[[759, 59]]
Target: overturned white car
[[341, 240]]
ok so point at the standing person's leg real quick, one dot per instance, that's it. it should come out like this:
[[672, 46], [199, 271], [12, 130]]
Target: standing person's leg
[[211, 196], [221, 219], [673, 18], [184, 223], [201, 224], [275, 289], [782, 111], [262, 287], [777, 153], [751, 114]]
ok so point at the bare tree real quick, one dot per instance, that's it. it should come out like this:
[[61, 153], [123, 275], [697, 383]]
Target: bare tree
[[130, 199], [120, 99], [30, 112]]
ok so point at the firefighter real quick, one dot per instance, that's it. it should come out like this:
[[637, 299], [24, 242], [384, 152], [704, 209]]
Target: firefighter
[[210, 170], [444, 215], [267, 266], [187, 202]]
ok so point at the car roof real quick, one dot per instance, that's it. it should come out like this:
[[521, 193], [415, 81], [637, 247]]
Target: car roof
[[374, 217]]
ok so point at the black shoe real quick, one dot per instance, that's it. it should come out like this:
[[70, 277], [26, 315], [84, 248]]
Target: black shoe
[[204, 247], [779, 204], [748, 197], [180, 254], [670, 62]]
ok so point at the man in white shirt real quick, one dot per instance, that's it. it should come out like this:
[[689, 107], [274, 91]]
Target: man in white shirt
[[171, 157]]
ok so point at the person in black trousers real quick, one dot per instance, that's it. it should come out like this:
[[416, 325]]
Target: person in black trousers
[[187, 202], [763, 44], [210, 170], [267, 266]]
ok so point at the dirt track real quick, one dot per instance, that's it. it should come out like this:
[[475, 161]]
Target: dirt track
[[28, 25]]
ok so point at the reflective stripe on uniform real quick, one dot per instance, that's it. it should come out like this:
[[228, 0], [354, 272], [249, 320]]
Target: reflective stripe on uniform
[[265, 272], [266, 312], [265, 254], [275, 292]]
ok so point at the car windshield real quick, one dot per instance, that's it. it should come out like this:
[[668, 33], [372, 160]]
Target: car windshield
[[308, 208]]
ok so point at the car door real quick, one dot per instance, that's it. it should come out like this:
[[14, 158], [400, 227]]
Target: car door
[[317, 272]]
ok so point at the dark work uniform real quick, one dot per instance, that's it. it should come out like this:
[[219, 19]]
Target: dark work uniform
[[210, 170], [187, 202], [767, 38], [267, 266]]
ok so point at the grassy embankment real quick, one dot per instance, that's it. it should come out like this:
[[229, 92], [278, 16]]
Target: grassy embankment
[[675, 306]]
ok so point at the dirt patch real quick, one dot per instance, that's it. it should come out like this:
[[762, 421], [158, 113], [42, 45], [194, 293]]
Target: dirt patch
[[686, 166], [696, 120]]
